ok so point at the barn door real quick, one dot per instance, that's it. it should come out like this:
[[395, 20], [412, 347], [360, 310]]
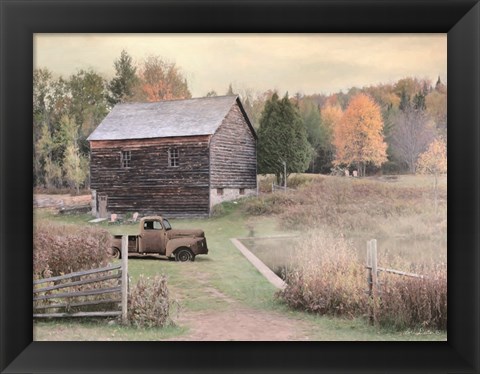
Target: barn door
[[102, 205]]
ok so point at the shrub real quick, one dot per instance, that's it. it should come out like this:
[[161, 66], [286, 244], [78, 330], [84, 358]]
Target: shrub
[[148, 302], [62, 249], [265, 183], [392, 167], [326, 277], [270, 204], [218, 211], [414, 302], [299, 180]]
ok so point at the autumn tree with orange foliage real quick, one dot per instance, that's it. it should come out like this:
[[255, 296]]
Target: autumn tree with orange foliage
[[434, 161], [161, 80], [358, 136]]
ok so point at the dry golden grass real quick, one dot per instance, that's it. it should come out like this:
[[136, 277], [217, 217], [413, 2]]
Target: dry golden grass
[[399, 214], [337, 216], [61, 249], [325, 276]]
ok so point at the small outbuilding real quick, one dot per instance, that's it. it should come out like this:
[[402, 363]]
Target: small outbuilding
[[175, 158]]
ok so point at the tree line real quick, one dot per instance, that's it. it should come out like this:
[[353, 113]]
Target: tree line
[[384, 127], [381, 128], [67, 110]]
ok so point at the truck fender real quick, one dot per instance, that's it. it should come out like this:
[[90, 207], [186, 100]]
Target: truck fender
[[173, 244]]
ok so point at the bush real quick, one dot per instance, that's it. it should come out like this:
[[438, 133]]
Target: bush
[[218, 211], [63, 249], [299, 180], [326, 277], [274, 203], [414, 302], [392, 167], [148, 302]]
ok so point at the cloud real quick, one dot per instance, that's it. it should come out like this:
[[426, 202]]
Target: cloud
[[290, 62]]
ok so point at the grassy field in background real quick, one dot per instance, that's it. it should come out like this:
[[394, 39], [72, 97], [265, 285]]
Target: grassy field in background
[[224, 275]]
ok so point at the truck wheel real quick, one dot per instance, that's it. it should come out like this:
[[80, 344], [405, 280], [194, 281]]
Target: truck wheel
[[115, 252], [183, 255]]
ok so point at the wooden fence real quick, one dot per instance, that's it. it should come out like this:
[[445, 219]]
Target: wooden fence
[[64, 296], [373, 272]]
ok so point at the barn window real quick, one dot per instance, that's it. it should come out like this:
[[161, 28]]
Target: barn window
[[220, 191], [241, 191], [125, 158], [173, 157]]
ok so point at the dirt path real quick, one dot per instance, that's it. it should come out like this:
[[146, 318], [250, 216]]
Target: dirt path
[[238, 322], [241, 323]]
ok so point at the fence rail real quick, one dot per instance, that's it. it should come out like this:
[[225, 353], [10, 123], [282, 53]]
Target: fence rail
[[373, 272], [111, 296], [76, 274]]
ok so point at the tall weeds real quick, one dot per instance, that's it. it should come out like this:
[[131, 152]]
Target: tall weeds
[[63, 249], [414, 302], [326, 277], [148, 302]]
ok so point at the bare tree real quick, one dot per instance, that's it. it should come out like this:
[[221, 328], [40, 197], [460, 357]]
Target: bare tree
[[412, 132]]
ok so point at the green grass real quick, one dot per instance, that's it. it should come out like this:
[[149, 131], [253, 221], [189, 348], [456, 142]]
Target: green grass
[[215, 282], [91, 330]]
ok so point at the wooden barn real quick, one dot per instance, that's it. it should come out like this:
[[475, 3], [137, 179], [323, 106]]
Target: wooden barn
[[176, 158]]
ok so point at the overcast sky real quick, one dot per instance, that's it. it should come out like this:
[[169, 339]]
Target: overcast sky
[[306, 63]]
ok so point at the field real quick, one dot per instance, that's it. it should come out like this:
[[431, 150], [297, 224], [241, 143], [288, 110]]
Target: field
[[222, 297]]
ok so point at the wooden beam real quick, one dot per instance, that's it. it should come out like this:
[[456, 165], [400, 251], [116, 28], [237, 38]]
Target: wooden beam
[[77, 274], [80, 314], [100, 291], [71, 284], [74, 305]]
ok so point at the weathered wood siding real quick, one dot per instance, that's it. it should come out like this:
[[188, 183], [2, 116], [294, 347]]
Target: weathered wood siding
[[150, 185], [233, 153]]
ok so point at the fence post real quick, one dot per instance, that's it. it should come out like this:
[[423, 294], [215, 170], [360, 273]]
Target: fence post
[[372, 267], [124, 278], [369, 267]]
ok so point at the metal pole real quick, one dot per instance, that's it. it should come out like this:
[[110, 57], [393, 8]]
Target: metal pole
[[285, 175]]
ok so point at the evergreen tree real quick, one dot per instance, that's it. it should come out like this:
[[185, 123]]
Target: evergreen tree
[[404, 101], [282, 138], [315, 132], [121, 87], [419, 101]]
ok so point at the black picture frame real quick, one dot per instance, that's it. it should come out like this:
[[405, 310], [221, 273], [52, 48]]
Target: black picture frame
[[21, 19]]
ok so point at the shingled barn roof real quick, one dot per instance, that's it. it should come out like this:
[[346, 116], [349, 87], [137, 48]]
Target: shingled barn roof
[[201, 116]]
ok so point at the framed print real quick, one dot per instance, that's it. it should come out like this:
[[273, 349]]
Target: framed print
[[21, 20]]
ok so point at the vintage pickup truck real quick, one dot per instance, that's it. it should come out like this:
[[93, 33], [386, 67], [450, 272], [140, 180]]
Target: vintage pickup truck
[[157, 237]]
